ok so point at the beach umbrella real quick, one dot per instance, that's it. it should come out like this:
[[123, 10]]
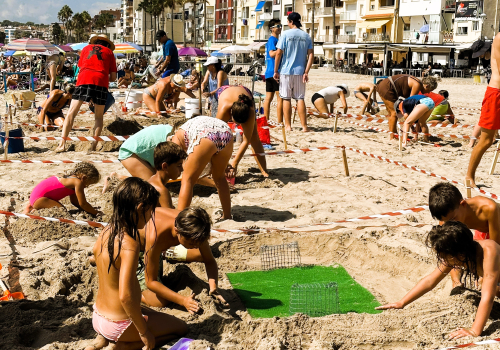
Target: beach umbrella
[[9, 53], [65, 48], [120, 55], [135, 46], [191, 51], [1, 44], [125, 48], [235, 49], [219, 54], [32, 45], [19, 53], [79, 46]]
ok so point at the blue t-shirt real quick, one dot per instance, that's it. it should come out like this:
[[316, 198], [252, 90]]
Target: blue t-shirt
[[169, 49], [294, 43], [270, 46]]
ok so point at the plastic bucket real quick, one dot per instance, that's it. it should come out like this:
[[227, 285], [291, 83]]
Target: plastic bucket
[[477, 78], [134, 99], [193, 106], [15, 146]]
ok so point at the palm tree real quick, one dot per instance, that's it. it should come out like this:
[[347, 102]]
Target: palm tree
[[106, 19], [87, 24], [144, 6], [64, 15], [70, 26], [171, 4]]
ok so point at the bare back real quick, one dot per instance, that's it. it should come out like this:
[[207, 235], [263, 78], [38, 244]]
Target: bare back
[[226, 100], [495, 63]]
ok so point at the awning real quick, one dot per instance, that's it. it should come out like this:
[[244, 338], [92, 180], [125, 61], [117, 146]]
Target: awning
[[260, 24], [256, 45], [341, 46], [372, 24], [318, 50], [260, 5]]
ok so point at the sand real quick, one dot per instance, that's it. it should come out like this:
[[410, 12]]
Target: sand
[[51, 258]]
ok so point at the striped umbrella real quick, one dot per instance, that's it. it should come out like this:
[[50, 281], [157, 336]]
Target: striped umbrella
[[125, 48], [32, 45], [135, 46], [79, 46]]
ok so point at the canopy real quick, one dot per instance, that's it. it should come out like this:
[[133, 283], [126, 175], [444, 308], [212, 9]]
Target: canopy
[[372, 24], [79, 46], [65, 48], [256, 45], [191, 51], [32, 45], [234, 49], [219, 54], [135, 46], [260, 24], [424, 29], [125, 48], [260, 5], [318, 50]]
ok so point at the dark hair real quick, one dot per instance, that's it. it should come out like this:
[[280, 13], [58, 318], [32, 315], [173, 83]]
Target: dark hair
[[127, 196], [69, 88], [273, 22], [168, 152], [454, 239], [241, 108], [102, 43], [342, 88], [443, 198], [444, 93], [194, 224], [87, 169], [218, 65]]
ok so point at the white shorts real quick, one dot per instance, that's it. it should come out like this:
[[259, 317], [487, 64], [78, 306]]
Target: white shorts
[[292, 86]]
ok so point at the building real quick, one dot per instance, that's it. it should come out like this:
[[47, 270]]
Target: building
[[127, 20], [224, 21], [10, 34]]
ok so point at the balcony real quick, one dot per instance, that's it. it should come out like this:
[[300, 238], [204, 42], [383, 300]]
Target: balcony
[[346, 38], [210, 15], [222, 21], [223, 5], [447, 37], [450, 5], [324, 11], [308, 19], [376, 37], [244, 38], [265, 16], [221, 37], [324, 38], [348, 16]]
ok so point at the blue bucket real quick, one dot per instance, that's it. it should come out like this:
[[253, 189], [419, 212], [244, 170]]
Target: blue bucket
[[15, 145]]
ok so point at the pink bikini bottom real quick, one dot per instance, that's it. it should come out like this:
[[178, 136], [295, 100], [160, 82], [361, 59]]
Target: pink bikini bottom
[[110, 329]]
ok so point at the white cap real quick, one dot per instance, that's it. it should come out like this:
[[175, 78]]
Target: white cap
[[211, 60], [344, 86]]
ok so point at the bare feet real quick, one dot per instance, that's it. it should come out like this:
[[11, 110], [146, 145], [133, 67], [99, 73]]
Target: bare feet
[[472, 181], [305, 129], [106, 182], [92, 260], [98, 343], [288, 128], [472, 143], [457, 284], [28, 208], [60, 149]]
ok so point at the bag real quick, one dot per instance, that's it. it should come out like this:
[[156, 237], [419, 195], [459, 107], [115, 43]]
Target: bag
[[110, 100], [264, 135]]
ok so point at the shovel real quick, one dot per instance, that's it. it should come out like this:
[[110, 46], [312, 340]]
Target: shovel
[[7, 295]]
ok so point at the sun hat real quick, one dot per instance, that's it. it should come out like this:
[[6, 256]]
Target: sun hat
[[102, 37], [294, 17], [346, 88], [211, 60], [177, 79], [480, 47]]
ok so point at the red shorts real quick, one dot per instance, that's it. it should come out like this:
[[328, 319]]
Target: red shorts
[[479, 236], [490, 111]]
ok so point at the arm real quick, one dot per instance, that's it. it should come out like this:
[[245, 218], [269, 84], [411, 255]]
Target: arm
[[112, 76], [248, 128], [310, 60], [425, 285], [415, 86], [272, 53], [493, 215], [277, 61], [212, 271], [221, 76], [48, 102], [343, 100], [82, 200], [165, 63], [187, 92], [204, 82], [159, 97]]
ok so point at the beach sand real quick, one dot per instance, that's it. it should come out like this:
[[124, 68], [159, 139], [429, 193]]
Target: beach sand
[[303, 189]]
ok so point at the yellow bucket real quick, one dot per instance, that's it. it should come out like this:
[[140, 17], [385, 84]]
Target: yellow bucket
[[477, 78]]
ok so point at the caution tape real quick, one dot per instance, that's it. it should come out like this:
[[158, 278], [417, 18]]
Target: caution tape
[[32, 161], [423, 171], [292, 151], [47, 126], [67, 221], [484, 342], [113, 138]]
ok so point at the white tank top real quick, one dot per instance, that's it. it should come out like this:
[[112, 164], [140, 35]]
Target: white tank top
[[330, 94]]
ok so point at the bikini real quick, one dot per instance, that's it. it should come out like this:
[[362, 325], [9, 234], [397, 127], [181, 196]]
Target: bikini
[[53, 115], [108, 328], [225, 87], [148, 92], [50, 188]]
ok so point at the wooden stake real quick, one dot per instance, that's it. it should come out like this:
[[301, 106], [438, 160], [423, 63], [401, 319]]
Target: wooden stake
[[493, 165], [467, 183], [199, 88], [344, 157], [284, 136], [6, 142], [400, 137], [335, 125], [294, 112]]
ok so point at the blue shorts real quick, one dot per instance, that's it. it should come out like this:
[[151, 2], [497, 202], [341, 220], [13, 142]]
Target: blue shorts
[[168, 72], [427, 102]]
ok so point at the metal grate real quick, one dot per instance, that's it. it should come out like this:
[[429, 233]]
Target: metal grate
[[280, 256], [315, 299]]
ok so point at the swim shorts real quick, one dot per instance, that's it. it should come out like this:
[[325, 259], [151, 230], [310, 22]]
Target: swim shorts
[[315, 97], [490, 111], [272, 85], [479, 236], [94, 93], [292, 86], [428, 102]]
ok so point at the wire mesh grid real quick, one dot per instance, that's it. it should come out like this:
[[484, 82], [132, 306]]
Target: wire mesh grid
[[279, 256], [315, 299]]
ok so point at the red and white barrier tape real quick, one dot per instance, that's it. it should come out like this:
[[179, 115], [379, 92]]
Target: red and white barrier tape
[[484, 342], [67, 221], [73, 138], [292, 151], [29, 161], [428, 173], [48, 126]]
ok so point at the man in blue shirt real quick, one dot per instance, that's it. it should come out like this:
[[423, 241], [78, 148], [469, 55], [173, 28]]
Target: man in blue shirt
[[170, 64], [295, 52], [272, 85]]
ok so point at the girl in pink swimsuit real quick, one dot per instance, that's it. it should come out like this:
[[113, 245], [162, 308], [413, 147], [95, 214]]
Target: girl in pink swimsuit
[[49, 192]]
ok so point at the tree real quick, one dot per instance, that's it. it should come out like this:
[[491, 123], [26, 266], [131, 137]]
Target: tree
[[64, 15], [145, 6], [171, 4], [104, 20], [57, 33], [2, 37]]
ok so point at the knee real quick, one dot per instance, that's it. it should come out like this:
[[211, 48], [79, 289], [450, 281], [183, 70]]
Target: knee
[[183, 328]]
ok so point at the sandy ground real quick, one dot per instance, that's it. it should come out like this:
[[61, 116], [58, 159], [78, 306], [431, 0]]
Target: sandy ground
[[51, 258]]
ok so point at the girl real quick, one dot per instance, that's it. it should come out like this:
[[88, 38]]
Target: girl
[[367, 93], [330, 95], [442, 106], [215, 78], [128, 78], [415, 108], [49, 192], [193, 80], [455, 248], [118, 315], [54, 67], [236, 104], [50, 112]]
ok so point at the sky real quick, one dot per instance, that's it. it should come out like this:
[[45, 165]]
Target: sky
[[45, 11]]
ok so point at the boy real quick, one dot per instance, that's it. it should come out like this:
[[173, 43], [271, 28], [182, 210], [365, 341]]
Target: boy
[[168, 159], [479, 213], [180, 236], [367, 93]]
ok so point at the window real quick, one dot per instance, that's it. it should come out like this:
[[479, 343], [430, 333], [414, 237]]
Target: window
[[386, 3], [276, 14], [328, 3], [288, 9], [361, 10], [406, 27], [327, 30], [463, 30], [475, 25]]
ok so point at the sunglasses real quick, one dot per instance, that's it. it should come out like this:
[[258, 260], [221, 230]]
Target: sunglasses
[[277, 26]]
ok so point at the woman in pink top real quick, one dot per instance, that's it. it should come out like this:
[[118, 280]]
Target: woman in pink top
[[49, 192]]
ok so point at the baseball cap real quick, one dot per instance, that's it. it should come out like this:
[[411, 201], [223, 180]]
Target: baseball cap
[[211, 60], [160, 34], [294, 17], [480, 47]]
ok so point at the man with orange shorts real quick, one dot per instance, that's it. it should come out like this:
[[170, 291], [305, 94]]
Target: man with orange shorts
[[489, 121]]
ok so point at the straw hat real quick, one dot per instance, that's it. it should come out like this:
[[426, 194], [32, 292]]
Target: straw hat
[[177, 79], [102, 37]]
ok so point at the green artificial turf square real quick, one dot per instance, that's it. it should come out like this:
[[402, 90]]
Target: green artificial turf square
[[267, 293]]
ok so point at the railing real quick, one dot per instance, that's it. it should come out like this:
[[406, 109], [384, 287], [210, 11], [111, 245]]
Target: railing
[[324, 38], [447, 37], [349, 16], [222, 21], [265, 16], [346, 38], [377, 37], [408, 35], [308, 19], [223, 5], [324, 11]]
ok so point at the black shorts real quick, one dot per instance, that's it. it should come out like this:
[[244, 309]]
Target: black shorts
[[94, 93], [315, 97], [272, 85]]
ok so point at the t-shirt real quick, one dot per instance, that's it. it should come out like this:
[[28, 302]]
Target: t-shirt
[[330, 94], [96, 62], [294, 43], [437, 98], [169, 49], [270, 46]]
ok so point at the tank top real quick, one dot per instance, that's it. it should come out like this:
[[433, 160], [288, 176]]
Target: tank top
[[330, 94], [401, 83], [212, 85]]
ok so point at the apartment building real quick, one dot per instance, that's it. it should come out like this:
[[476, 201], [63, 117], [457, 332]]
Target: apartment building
[[10, 34], [127, 20], [198, 27], [224, 21]]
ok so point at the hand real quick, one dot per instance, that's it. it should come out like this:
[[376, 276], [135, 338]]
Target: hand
[[462, 332], [398, 305], [148, 339], [190, 304], [230, 171], [215, 294], [305, 78], [206, 94], [276, 76]]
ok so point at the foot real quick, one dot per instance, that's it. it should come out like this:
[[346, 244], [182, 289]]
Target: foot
[[106, 182], [472, 181], [60, 149], [99, 343], [305, 129], [472, 143], [457, 284], [28, 208], [288, 128], [92, 260]]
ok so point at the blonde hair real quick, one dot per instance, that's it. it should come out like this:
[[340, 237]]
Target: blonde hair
[[431, 82], [87, 169]]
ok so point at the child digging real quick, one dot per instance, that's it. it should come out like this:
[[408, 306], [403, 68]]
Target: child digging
[[118, 316], [478, 213], [49, 192], [455, 248], [183, 237]]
